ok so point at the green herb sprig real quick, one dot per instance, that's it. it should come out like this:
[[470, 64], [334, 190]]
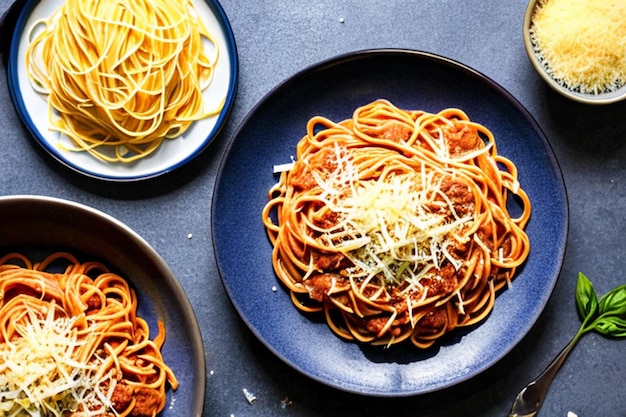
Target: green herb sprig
[[606, 316]]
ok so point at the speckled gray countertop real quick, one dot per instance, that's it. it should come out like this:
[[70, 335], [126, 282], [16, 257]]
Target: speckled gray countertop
[[275, 39]]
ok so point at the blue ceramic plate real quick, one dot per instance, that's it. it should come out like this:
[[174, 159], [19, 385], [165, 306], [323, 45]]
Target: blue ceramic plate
[[172, 154], [38, 226], [268, 136]]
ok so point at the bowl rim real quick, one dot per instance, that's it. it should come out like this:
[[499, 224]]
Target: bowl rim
[[59, 215]]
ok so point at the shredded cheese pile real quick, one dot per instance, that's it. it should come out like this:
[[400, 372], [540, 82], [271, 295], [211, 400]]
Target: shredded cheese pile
[[582, 44], [39, 377], [386, 227]]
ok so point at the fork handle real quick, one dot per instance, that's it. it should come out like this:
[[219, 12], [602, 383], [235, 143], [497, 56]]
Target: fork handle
[[544, 380], [530, 399]]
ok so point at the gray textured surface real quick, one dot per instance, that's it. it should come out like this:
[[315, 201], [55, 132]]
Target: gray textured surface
[[276, 39]]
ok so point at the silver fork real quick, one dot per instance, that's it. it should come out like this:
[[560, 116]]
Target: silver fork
[[530, 399]]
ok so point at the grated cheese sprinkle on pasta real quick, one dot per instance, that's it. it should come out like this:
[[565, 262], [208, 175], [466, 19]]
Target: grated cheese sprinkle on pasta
[[39, 377], [385, 225]]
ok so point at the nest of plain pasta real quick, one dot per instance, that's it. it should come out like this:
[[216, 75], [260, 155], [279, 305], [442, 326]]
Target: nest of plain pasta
[[123, 76], [395, 224]]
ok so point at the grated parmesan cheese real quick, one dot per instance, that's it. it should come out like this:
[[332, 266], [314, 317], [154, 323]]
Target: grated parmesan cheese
[[250, 397], [39, 377], [385, 226], [582, 44]]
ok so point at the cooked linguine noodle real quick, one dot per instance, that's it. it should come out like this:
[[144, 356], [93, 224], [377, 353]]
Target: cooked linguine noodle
[[122, 76], [395, 224], [71, 343]]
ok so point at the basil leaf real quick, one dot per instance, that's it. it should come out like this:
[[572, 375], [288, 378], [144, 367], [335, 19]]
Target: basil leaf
[[614, 302], [611, 326], [586, 297]]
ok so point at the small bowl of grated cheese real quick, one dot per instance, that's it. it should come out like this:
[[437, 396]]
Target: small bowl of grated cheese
[[579, 47]]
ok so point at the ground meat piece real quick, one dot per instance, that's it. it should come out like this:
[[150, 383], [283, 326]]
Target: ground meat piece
[[122, 396], [485, 234], [325, 219], [459, 249], [147, 402], [395, 131], [300, 177], [462, 138], [436, 319], [375, 325], [443, 282], [319, 285], [323, 162], [93, 303], [459, 194], [328, 261]]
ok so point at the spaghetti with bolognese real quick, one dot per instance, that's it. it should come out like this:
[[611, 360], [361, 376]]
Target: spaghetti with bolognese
[[71, 342], [394, 223]]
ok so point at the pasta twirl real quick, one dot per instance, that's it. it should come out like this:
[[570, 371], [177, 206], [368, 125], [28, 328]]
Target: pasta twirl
[[395, 224], [122, 76], [71, 343]]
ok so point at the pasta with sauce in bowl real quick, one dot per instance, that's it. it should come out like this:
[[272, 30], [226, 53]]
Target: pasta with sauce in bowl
[[395, 225], [72, 343]]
